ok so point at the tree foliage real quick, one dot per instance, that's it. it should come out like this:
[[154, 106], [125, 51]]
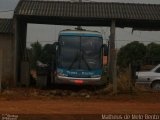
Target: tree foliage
[[37, 52], [131, 53], [153, 50], [47, 54]]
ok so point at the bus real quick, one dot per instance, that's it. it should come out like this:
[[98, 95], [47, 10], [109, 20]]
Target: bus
[[79, 58]]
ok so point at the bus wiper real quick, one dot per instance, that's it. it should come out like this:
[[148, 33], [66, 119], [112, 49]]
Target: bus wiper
[[89, 68], [75, 59]]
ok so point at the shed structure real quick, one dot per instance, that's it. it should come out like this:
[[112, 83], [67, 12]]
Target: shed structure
[[136, 16]]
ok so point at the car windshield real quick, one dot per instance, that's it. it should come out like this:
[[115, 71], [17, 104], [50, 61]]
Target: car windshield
[[80, 52]]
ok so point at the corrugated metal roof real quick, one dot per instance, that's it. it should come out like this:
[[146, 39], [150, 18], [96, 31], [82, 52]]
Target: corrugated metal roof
[[6, 26], [89, 10]]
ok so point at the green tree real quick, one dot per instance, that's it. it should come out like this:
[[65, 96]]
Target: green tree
[[42, 53], [153, 50], [35, 53], [47, 54], [131, 53]]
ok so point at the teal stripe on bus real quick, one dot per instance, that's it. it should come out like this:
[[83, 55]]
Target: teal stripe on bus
[[81, 34]]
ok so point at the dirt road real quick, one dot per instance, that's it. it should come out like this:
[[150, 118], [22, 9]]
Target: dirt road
[[65, 106], [95, 105]]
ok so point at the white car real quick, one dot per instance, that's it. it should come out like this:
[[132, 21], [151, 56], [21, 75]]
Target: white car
[[150, 78]]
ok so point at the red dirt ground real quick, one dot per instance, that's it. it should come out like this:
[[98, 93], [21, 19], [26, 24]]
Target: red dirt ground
[[64, 106], [148, 103]]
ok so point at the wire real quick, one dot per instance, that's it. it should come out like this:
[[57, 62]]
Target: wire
[[7, 11], [145, 41], [40, 42], [140, 40]]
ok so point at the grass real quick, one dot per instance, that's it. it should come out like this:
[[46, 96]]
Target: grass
[[126, 85]]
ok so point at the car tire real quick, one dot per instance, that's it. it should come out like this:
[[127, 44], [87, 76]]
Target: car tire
[[156, 86]]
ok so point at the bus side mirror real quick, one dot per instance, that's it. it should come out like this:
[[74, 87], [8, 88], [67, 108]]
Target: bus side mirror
[[105, 50], [55, 47], [105, 54]]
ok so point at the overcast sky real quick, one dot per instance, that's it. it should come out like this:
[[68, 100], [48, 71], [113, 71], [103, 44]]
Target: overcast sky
[[49, 33]]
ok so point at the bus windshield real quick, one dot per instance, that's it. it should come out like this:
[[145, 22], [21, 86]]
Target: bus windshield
[[80, 52]]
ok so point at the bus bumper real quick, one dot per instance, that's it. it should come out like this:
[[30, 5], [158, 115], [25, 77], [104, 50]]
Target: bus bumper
[[79, 81]]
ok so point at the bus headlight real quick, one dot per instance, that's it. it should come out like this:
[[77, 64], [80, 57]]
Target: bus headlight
[[95, 76], [61, 74]]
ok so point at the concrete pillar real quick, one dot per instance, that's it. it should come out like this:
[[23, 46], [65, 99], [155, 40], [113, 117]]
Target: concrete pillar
[[113, 57], [21, 73], [15, 27], [25, 69]]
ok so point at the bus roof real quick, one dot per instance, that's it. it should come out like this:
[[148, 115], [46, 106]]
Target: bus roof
[[80, 33]]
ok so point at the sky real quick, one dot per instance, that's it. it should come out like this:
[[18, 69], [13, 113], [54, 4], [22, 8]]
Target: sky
[[49, 33]]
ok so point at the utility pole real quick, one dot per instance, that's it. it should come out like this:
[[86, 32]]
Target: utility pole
[[112, 55]]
